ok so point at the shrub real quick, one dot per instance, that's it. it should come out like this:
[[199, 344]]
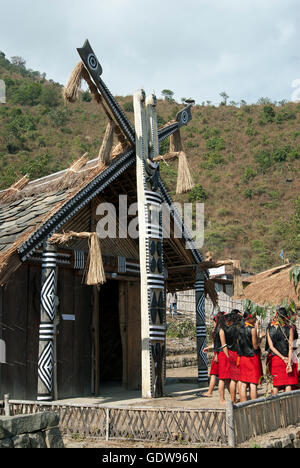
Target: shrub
[[215, 143], [197, 194], [182, 329], [49, 96], [212, 160], [58, 117], [86, 96], [248, 193], [128, 106], [269, 113], [264, 159], [27, 94], [249, 174]]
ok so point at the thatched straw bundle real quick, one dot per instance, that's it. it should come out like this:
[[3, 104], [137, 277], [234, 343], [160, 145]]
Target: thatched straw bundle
[[12, 192], [95, 270], [184, 178], [70, 91], [71, 176]]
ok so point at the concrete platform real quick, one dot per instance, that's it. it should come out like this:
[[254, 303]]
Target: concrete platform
[[181, 391]]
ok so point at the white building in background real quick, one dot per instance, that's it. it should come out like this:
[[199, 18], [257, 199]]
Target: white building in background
[[224, 286]]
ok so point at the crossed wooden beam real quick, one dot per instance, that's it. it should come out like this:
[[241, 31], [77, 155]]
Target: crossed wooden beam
[[94, 68]]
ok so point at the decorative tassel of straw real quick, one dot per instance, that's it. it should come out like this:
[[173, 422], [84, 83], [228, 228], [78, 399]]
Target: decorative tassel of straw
[[95, 270], [96, 273], [12, 192], [184, 179], [70, 91]]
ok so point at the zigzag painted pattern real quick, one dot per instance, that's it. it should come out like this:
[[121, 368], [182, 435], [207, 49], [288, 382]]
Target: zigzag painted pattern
[[45, 366], [47, 295]]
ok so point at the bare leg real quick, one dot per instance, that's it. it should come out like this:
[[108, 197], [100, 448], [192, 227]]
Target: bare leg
[[288, 388], [275, 390], [243, 391], [253, 391], [222, 385], [232, 390], [212, 384], [238, 388]]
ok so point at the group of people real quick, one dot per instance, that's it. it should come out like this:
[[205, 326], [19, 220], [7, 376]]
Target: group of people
[[237, 361]]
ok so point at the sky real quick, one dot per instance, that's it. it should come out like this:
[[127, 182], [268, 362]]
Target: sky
[[196, 48]]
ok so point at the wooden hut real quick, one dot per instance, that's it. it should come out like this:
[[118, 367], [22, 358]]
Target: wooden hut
[[65, 338]]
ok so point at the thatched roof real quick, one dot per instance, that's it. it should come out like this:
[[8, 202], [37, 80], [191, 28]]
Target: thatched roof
[[54, 203], [271, 287]]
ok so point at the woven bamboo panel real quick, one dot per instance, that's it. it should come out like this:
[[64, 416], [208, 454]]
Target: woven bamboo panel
[[168, 425], [87, 420]]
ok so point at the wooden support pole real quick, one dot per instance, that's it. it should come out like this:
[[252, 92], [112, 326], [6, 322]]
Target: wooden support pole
[[6, 404], [95, 319], [47, 330], [230, 424], [95, 342], [107, 143], [150, 247], [201, 329]]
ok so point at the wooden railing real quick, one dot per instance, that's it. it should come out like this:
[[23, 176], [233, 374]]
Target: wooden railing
[[205, 426], [230, 427], [260, 416]]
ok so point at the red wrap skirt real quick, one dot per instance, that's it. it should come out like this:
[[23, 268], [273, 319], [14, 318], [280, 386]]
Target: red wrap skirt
[[224, 371], [214, 369], [250, 369], [280, 375], [233, 367]]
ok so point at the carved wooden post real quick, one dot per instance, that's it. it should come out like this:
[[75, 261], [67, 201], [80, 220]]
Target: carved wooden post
[[150, 247], [47, 324], [201, 328]]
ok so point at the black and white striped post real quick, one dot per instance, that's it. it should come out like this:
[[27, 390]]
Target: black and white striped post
[[201, 328], [47, 324]]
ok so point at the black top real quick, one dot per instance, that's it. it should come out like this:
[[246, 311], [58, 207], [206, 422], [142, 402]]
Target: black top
[[280, 339], [245, 346], [217, 340], [231, 333]]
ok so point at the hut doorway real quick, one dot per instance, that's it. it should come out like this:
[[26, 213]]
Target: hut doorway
[[110, 344]]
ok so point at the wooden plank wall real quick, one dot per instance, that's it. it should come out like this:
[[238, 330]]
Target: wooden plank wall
[[74, 336], [20, 318], [20, 324]]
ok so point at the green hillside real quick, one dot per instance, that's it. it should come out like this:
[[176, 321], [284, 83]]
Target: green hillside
[[245, 160]]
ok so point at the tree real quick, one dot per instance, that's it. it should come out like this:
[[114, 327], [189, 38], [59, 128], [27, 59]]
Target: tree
[[225, 98], [27, 93], [168, 95], [18, 61], [49, 96], [264, 101]]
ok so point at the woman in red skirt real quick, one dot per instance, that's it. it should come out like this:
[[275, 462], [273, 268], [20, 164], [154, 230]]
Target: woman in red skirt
[[249, 358], [233, 321], [280, 338], [221, 357], [214, 369]]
